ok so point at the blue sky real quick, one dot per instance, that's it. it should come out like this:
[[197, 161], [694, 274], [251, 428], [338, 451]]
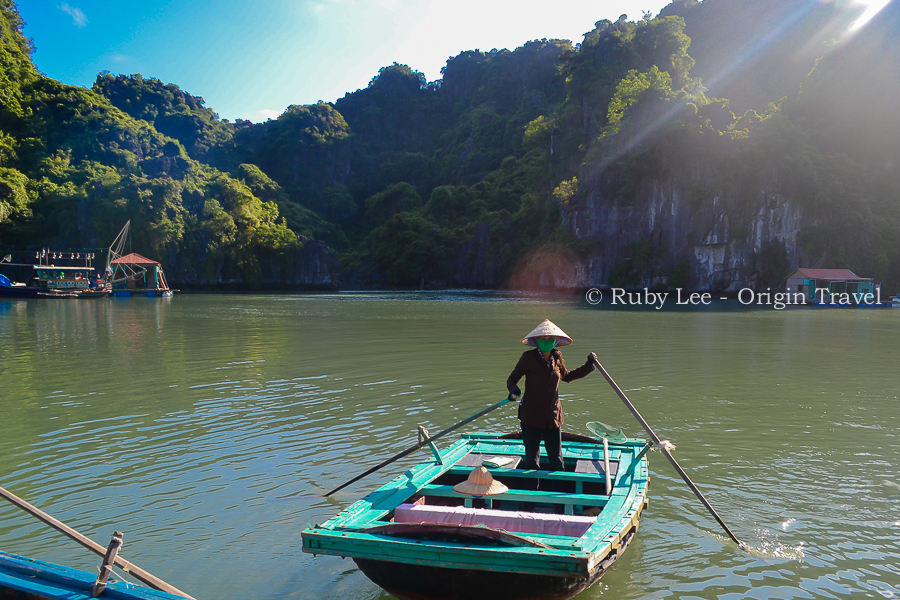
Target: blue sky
[[251, 60]]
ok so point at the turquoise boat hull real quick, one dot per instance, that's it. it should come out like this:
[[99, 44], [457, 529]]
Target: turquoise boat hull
[[518, 545]]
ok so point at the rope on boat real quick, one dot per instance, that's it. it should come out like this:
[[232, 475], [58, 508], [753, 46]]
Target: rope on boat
[[115, 576], [422, 434]]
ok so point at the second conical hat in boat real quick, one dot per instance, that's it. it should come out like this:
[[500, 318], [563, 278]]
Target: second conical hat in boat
[[547, 327], [480, 483]]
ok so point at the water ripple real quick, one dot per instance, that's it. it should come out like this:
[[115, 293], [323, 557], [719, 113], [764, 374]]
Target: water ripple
[[205, 427]]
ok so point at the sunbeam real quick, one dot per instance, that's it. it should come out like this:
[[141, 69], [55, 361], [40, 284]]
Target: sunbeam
[[728, 73], [716, 81], [784, 27], [873, 7]]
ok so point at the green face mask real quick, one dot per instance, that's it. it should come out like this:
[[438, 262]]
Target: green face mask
[[546, 346]]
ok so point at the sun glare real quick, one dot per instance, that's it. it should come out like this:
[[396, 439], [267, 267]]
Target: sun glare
[[873, 7]]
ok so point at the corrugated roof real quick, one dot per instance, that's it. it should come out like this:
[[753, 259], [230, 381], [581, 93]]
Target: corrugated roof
[[830, 274], [134, 259]]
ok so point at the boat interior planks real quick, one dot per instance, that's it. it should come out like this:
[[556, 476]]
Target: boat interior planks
[[564, 528]]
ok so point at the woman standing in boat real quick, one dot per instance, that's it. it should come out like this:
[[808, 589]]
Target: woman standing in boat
[[540, 412]]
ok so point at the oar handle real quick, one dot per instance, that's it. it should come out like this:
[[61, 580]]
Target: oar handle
[[665, 451], [421, 444]]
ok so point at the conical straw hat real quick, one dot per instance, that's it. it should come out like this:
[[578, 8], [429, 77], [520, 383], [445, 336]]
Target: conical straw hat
[[480, 483], [547, 327]]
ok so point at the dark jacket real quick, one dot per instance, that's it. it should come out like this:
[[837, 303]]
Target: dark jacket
[[540, 406]]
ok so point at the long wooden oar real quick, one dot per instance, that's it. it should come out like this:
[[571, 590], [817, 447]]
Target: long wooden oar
[[421, 444], [668, 454], [139, 573]]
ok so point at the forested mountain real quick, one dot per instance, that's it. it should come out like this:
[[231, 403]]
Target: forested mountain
[[712, 147], [74, 167]]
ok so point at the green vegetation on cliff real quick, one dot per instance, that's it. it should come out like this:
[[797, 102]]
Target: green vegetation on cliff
[[75, 167], [551, 149], [170, 111]]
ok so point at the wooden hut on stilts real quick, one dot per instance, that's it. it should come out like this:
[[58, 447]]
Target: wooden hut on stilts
[[134, 274]]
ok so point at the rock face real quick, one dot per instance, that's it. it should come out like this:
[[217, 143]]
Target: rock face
[[474, 266], [174, 166], [313, 267], [718, 241], [719, 238]]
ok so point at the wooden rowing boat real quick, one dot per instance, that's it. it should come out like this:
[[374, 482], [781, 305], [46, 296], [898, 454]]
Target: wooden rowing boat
[[550, 536], [30, 579]]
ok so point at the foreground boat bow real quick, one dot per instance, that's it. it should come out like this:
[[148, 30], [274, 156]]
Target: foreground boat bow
[[551, 536], [30, 579]]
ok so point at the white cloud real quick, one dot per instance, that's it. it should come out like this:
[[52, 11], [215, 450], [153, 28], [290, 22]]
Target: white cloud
[[78, 17], [269, 113]]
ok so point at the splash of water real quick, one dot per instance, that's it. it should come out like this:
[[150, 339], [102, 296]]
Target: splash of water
[[769, 546], [766, 546]]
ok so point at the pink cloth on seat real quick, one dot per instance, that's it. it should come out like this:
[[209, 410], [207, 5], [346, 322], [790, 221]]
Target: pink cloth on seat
[[509, 520]]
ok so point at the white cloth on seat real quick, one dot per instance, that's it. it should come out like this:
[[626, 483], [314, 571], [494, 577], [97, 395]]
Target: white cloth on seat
[[509, 520]]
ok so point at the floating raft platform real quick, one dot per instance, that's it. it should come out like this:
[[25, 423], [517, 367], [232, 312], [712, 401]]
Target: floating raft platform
[[150, 293], [136, 275]]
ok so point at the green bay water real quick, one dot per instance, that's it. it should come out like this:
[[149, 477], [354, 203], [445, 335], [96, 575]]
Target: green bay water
[[203, 425]]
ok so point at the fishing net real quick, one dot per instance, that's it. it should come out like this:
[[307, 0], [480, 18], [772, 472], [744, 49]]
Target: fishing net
[[602, 430]]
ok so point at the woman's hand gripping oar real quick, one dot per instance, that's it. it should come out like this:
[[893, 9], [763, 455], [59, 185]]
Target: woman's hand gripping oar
[[422, 444], [666, 451]]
